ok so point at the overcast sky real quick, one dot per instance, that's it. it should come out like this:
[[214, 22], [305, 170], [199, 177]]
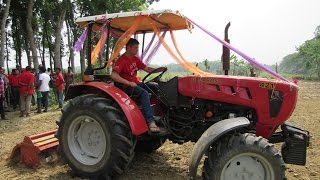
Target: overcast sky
[[266, 30]]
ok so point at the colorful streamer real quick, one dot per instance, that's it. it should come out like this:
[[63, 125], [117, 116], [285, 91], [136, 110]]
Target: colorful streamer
[[154, 50], [180, 54], [147, 48], [79, 44], [185, 64], [99, 46], [249, 59], [122, 41]]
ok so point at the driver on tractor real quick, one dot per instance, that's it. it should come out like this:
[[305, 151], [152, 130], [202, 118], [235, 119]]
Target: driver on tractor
[[125, 75]]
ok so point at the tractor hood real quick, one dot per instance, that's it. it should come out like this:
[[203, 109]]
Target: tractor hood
[[273, 100]]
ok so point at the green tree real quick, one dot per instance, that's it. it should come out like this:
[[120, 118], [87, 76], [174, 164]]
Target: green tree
[[17, 14], [239, 66], [311, 51], [293, 64]]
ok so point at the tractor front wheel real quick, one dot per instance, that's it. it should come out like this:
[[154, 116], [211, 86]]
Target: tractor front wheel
[[95, 137], [243, 156]]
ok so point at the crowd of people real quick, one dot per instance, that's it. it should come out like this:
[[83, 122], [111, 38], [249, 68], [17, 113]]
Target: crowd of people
[[23, 87]]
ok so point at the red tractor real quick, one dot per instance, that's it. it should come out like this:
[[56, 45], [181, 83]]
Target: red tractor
[[233, 120]]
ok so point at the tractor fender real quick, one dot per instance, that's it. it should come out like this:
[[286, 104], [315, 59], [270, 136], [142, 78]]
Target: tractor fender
[[210, 136], [132, 112]]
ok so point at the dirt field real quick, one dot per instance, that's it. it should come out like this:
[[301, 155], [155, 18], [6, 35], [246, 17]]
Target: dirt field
[[169, 162]]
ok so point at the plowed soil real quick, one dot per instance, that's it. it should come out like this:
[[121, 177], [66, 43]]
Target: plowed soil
[[169, 162]]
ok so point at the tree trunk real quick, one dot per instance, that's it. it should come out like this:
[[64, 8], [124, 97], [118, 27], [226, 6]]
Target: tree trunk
[[3, 33], [18, 49], [7, 51], [30, 35], [61, 53], [70, 45], [57, 44], [318, 68], [48, 38], [27, 52], [83, 59], [43, 51]]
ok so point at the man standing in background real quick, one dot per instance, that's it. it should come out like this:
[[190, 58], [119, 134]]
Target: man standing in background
[[43, 88], [26, 82], [59, 86], [69, 78], [14, 88]]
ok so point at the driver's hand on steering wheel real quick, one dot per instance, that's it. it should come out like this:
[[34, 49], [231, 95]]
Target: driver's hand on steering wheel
[[163, 69], [132, 84]]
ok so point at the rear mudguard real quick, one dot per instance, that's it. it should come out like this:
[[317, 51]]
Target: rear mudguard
[[210, 136], [130, 109]]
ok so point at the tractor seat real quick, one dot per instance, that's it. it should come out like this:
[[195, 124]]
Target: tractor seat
[[102, 78]]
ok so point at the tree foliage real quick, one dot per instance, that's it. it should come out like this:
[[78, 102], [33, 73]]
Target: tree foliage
[[293, 64], [306, 61], [310, 51]]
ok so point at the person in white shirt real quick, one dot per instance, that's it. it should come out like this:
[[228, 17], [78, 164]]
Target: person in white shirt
[[43, 88]]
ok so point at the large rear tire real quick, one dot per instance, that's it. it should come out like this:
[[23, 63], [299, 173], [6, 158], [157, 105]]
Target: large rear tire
[[95, 137], [243, 156]]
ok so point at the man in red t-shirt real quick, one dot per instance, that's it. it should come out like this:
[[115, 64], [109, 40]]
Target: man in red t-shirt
[[26, 82], [59, 86], [14, 87], [125, 72]]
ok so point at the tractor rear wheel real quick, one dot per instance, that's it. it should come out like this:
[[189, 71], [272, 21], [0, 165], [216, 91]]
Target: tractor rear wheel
[[95, 137], [243, 156]]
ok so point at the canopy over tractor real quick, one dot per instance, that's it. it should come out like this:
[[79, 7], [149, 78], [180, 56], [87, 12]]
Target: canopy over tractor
[[165, 20]]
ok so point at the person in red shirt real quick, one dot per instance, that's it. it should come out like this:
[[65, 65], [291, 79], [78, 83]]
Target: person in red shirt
[[26, 82], [59, 86], [125, 72], [14, 88]]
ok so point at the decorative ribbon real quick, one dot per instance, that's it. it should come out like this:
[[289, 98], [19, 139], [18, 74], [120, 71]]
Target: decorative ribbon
[[79, 44], [99, 46], [185, 64], [249, 59], [180, 54], [122, 41], [154, 49], [147, 48]]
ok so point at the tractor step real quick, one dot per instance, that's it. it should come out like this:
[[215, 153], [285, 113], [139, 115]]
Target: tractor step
[[33, 145]]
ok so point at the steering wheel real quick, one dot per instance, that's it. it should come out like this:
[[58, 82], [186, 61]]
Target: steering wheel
[[156, 78]]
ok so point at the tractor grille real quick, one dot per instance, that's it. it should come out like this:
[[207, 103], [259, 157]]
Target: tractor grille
[[275, 102]]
